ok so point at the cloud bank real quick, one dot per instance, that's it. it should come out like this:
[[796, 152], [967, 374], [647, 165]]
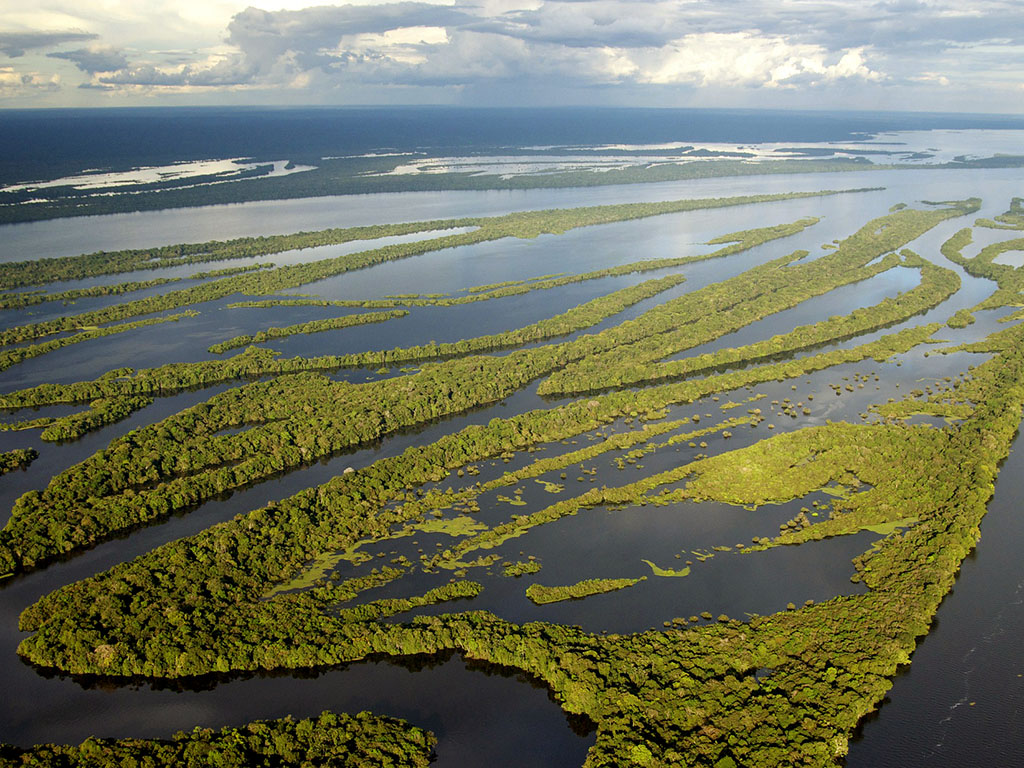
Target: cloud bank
[[523, 49], [15, 44]]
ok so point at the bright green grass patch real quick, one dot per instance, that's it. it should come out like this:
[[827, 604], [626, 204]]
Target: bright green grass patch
[[542, 595], [522, 568], [515, 501], [452, 526], [886, 529], [907, 408], [551, 487], [657, 570]]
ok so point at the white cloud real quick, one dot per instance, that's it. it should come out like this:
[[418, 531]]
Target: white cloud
[[14, 83], [615, 46], [740, 59], [933, 77], [413, 42]]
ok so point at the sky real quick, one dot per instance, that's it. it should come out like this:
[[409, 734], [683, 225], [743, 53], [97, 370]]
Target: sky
[[916, 55]]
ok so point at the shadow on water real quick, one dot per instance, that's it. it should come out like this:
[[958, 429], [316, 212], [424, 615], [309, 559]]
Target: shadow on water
[[500, 716]]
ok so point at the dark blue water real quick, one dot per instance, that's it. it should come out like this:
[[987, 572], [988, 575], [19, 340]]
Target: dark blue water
[[41, 144]]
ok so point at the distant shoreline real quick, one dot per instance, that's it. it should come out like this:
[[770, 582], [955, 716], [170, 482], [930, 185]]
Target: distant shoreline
[[283, 154]]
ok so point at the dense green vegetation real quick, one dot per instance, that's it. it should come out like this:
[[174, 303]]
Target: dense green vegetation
[[522, 568], [162, 380], [542, 595], [19, 458], [349, 508], [378, 609], [28, 298], [257, 592], [1009, 279], [892, 461], [115, 395], [577, 318], [574, 319], [903, 409], [179, 462], [628, 352], [313, 326], [227, 271], [704, 315], [16, 274], [119, 391], [437, 499], [528, 224], [19, 274], [1012, 219], [101, 412], [734, 243], [937, 284], [499, 292], [346, 741], [802, 712]]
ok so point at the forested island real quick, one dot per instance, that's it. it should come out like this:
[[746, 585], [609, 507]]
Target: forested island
[[743, 372]]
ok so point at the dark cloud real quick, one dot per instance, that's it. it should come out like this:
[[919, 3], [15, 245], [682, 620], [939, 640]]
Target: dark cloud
[[231, 71], [100, 60], [899, 26], [279, 44], [14, 44], [592, 25], [145, 75], [268, 33]]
